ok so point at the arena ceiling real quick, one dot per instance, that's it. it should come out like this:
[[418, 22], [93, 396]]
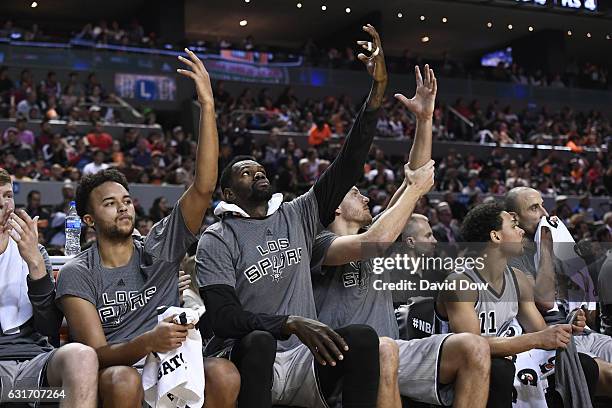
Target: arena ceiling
[[282, 23]]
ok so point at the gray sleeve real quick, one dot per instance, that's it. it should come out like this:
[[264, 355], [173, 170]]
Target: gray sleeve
[[604, 286], [319, 251], [214, 264], [307, 211], [170, 238], [75, 279]]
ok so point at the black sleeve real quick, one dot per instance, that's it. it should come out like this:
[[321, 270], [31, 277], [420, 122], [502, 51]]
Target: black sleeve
[[230, 321], [47, 317], [347, 168]]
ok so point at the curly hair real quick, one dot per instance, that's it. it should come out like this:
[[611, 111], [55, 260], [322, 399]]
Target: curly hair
[[90, 182], [481, 220]]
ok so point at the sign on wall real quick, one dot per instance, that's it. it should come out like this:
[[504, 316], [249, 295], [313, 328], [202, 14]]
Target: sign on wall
[[146, 87]]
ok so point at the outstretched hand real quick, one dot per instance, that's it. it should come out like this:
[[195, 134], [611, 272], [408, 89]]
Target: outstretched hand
[[199, 75], [423, 102], [375, 63]]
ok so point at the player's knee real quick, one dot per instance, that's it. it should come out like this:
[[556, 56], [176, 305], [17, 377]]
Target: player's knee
[[121, 383], [222, 380], [388, 351], [360, 337], [78, 360], [259, 342], [475, 350]]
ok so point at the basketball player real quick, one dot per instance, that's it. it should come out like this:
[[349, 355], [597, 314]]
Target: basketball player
[[345, 292], [110, 292], [508, 294], [528, 205], [253, 269]]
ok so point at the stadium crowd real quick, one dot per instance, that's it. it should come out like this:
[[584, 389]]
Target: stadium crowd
[[167, 157]]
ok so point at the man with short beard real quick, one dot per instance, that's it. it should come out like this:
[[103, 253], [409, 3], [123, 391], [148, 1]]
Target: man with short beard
[[253, 269], [111, 291], [546, 277]]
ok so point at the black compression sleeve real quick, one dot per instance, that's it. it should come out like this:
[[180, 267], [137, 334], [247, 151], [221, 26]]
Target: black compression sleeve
[[347, 168], [230, 321]]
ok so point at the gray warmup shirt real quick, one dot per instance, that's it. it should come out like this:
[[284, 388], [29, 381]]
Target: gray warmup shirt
[[126, 297], [345, 294], [266, 261]]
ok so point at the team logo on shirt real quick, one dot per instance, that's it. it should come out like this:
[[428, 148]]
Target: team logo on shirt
[[116, 305], [278, 256]]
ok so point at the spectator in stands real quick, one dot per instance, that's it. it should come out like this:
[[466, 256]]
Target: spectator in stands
[[319, 132], [99, 139], [23, 134], [50, 86], [446, 230], [13, 146], [34, 208], [159, 209], [28, 105], [183, 146], [6, 84], [584, 208], [57, 173], [96, 165], [144, 225], [55, 150], [21, 172], [311, 167], [142, 153]]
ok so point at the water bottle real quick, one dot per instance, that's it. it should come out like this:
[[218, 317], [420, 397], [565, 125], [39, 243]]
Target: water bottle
[[73, 231]]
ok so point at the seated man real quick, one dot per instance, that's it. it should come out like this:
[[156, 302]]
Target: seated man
[[549, 283], [110, 292], [28, 314], [253, 269], [508, 296], [346, 290]]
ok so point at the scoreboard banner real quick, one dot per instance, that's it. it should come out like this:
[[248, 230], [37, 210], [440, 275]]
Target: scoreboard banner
[[146, 87]]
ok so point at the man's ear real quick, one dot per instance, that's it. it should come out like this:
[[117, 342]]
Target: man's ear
[[338, 212], [228, 195], [494, 236], [411, 243], [89, 220]]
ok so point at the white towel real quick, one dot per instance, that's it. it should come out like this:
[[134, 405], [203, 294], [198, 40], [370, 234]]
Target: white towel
[[273, 204], [575, 267], [176, 379], [15, 306]]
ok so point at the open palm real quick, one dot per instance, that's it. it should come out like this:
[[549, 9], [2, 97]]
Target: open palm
[[424, 100]]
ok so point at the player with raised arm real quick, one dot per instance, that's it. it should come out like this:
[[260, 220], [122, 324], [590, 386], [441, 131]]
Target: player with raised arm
[[110, 292], [253, 269], [344, 292]]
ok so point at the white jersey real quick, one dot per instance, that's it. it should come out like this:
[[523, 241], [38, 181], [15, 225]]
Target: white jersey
[[496, 311]]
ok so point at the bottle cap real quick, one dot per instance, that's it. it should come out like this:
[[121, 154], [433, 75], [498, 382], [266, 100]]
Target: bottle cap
[[73, 204]]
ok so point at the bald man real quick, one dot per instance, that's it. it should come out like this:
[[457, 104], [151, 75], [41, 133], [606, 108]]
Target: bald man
[[528, 205]]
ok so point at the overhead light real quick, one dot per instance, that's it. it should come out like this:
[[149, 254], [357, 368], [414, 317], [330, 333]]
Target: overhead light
[[348, 10], [247, 1], [589, 35], [324, 7], [530, 28], [608, 37], [34, 4], [425, 39], [243, 23], [299, 5], [489, 24], [510, 27], [422, 18], [400, 15], [444, 19], [569, 32]]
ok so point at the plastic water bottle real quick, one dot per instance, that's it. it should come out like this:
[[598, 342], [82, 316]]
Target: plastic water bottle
[[73, 231]]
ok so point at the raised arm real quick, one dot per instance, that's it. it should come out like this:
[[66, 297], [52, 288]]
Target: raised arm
[[196, 199], [422, 106], [347, 168], [389, 225]]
